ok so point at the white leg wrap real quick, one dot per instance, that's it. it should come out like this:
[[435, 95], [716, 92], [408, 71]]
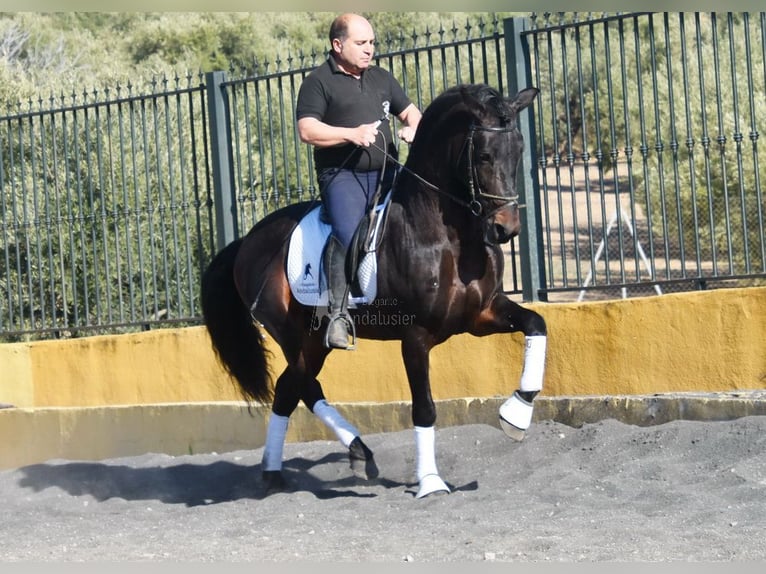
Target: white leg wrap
[[534, 363], [428, 476], [275, 442], [516, 412], [344, 430], [425, 446]]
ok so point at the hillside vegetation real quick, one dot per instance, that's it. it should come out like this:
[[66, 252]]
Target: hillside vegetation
[[53, 53]]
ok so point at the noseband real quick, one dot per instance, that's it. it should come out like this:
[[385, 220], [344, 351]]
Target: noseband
[[473, 178]]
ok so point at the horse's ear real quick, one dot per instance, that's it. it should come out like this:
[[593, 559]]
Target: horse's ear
[[523, 99]]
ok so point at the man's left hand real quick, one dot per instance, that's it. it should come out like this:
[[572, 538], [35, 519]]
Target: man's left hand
[[407, 134]]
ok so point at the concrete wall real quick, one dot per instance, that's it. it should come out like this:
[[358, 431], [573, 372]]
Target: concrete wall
[[32, 436], [644, 361], [701, 341]]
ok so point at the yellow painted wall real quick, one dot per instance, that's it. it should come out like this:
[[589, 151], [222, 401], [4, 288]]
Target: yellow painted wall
[[701, 341]]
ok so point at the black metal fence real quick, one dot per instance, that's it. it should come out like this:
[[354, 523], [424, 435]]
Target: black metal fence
[[650, 174], [104, 210], [642, 168]]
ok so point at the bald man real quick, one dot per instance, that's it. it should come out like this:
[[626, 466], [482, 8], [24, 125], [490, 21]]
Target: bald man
[[343, 110]]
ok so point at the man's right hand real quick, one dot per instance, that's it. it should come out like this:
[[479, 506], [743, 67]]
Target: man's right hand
[[365, 134]]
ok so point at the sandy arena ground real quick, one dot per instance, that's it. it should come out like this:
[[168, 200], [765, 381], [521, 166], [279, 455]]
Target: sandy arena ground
[[681, 491]]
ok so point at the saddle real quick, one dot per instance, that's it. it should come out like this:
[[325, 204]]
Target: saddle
[[305, 274]]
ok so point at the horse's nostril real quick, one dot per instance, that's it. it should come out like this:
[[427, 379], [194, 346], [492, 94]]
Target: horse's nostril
[[499, 233]]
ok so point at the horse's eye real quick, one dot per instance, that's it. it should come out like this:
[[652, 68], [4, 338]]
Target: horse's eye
[[484, 157]]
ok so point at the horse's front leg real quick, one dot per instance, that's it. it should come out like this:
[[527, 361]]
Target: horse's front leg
[[506, 316], [416, 347]]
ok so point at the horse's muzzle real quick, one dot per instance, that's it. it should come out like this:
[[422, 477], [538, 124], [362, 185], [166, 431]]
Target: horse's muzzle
[[504, 226]]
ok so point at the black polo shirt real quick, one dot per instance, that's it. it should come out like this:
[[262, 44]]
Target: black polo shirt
[[339, 99]]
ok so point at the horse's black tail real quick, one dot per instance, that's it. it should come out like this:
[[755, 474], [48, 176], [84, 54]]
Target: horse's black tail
[[237, 342]]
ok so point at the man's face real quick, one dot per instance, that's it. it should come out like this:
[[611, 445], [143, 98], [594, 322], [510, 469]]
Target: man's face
[[355, 52]]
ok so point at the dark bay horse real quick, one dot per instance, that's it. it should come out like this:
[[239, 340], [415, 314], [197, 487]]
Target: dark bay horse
[[439, 265]]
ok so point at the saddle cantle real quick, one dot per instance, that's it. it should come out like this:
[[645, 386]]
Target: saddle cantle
[[304, 259]]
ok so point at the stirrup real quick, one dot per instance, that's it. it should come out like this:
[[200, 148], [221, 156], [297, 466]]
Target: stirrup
[[346, 318]]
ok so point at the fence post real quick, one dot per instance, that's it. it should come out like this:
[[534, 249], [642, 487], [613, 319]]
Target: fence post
[[224, 196], [519, 72]]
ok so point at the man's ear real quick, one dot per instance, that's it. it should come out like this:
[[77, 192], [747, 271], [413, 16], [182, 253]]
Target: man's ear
[[337, 45]]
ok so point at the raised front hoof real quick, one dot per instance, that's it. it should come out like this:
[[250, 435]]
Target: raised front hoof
[[432, 484], [273, 482], [362, 462], [512, 431]]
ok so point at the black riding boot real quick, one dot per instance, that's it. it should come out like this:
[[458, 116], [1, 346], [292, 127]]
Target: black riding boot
[[334, 261]]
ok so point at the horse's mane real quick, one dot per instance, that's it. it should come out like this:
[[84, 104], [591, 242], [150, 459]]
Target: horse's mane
[[489, 99], [477, 99], [459, 104]]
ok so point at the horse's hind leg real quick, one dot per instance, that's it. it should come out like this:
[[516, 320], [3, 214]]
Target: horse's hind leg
[[298, 383], [286, 398], [360, 456]]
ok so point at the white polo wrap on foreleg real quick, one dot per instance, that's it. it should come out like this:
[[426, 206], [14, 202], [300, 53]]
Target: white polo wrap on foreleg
[[428, 476], [275, 442], [517, 411], [425, 447], [344, 430], [534, 363]]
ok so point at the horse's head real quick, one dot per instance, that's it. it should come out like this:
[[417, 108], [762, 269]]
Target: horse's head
[[474, 129]]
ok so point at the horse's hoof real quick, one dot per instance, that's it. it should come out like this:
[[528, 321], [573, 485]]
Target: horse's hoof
[[273, 482], [516, 416], [362, 462], [432, 484], [512, 431]]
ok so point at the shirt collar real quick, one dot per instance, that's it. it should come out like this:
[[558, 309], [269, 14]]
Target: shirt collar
[[335, 68]]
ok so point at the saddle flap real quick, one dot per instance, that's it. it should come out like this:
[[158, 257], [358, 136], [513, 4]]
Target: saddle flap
[[304, 265]]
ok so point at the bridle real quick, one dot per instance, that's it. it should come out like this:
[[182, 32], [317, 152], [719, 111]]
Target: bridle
[[473, 180], [475, 191]]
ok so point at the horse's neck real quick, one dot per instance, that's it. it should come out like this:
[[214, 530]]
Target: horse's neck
[[434, 216], [435, 231]]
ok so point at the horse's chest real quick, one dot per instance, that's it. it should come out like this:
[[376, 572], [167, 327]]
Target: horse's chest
[[440, 287]]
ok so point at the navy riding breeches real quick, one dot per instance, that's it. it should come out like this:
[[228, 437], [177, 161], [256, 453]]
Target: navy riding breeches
[[347, 196]]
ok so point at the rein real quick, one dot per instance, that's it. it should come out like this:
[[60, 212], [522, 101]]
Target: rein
[[474, 205]]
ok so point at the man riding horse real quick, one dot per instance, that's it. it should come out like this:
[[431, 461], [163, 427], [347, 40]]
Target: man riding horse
[[342, 110]]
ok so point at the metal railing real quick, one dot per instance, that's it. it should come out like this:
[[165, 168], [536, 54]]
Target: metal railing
[[104, 210], [642, 171], [650, 174]]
